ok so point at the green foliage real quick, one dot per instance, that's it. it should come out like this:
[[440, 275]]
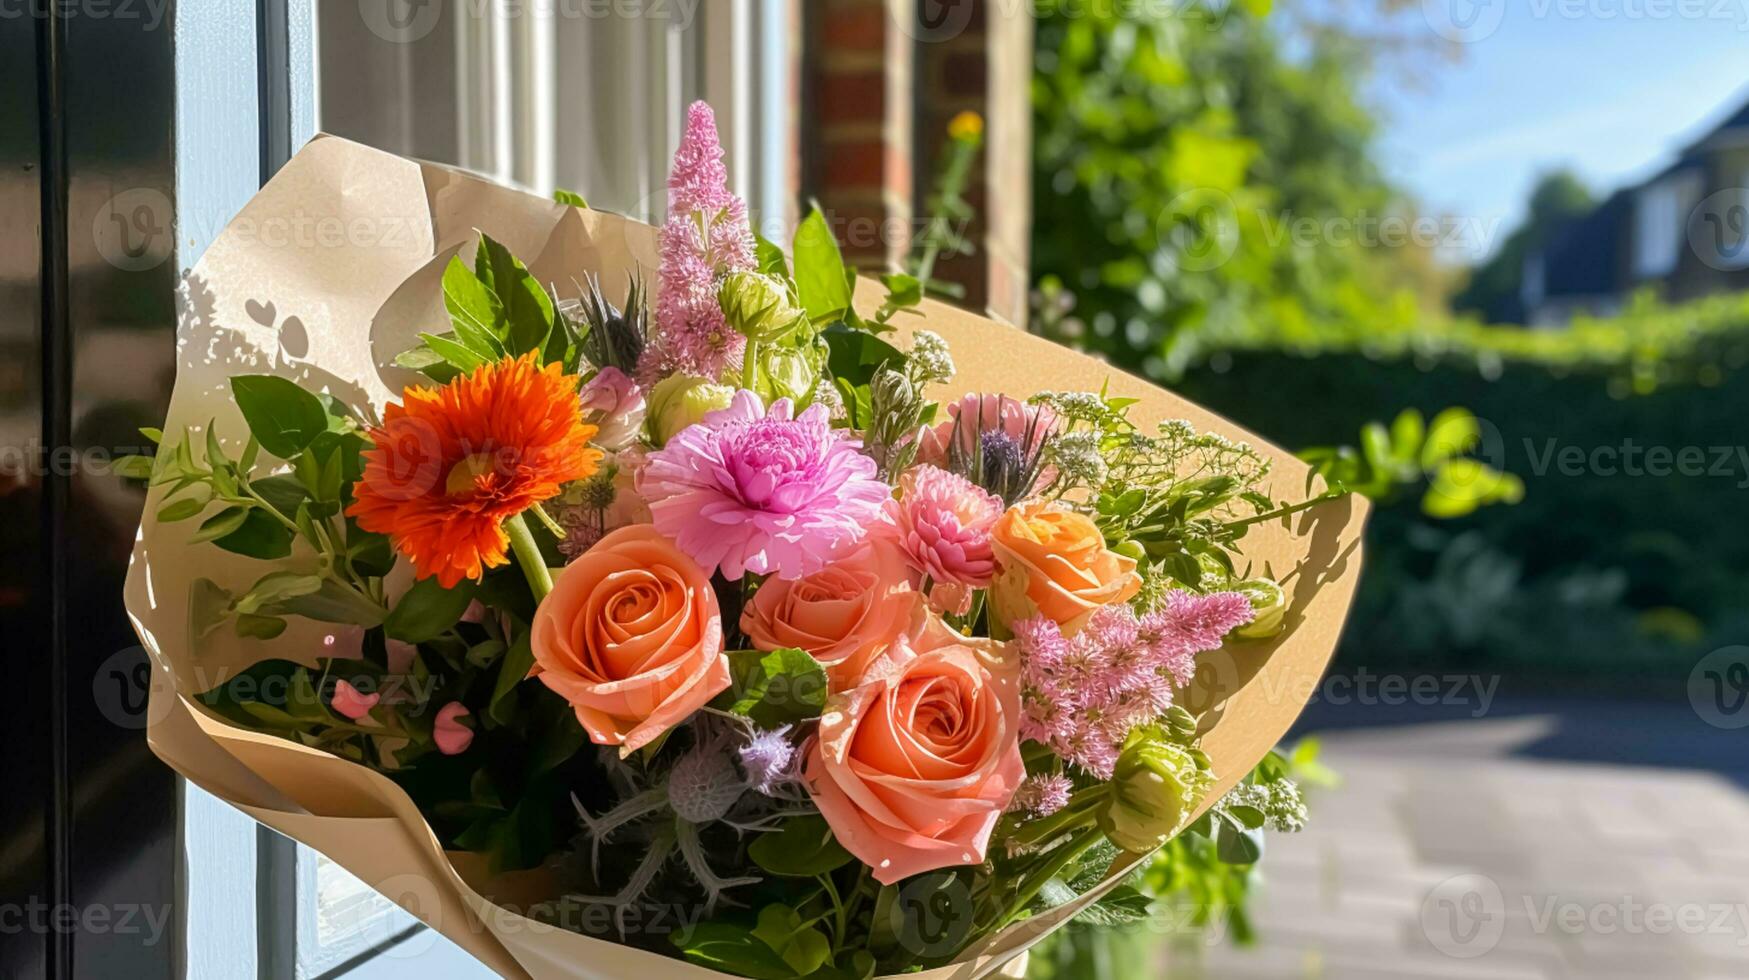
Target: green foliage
[[428, 610], [774, 689], [802, 848], [1411, 453], [1599, 578], [823, 282], [496, 309], [1174, 153]]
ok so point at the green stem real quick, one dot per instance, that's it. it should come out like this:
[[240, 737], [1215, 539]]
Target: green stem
[[750, 365], [839, 915], [1060, 859], [1081, 806], [1286, 511], [551, 525], [528, 555]]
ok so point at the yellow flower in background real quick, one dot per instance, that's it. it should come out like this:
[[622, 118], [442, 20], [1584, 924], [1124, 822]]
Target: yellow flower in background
[[967, 127]]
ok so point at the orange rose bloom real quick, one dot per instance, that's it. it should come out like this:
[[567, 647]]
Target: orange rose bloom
[[451, 464], [631, 636], [845, 614], [913, 768], [1055, 563]]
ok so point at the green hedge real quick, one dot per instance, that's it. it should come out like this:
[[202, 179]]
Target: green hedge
[[1601, 576]]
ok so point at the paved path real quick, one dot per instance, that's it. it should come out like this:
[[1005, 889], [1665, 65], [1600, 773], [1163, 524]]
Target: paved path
[[1509, 847]]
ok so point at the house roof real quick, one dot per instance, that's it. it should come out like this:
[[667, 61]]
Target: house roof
[[1586, 256]]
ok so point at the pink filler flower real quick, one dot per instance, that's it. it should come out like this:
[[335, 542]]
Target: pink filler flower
[[748, 490], [707, 235]]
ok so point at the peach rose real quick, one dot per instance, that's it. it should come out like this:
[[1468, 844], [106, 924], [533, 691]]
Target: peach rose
[[631, 636], [913, 768], [844, 614], [1055, 563]]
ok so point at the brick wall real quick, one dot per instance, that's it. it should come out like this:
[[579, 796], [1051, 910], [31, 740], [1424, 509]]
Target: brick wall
[[882, 78]]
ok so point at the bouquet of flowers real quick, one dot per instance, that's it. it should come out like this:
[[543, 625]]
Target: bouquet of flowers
[[703, 616]]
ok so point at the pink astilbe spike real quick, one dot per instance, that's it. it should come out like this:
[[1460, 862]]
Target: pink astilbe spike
[[705, 237], [1082, 695]]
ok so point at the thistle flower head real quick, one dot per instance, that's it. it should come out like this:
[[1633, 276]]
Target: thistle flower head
[[768, 759]]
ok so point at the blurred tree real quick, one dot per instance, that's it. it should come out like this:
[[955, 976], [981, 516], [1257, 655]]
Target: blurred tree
[[1493, 289], [1198, 183]]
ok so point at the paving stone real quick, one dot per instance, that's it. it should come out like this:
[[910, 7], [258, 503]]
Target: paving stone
[[1423, 804]]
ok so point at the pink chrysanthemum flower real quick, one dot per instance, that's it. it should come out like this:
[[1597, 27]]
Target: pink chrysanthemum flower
[[944, 523], [748, 490], [707, 235], [1082, 695]]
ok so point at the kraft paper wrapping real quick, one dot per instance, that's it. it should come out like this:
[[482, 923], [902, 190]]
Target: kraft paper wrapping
[[328, 273]]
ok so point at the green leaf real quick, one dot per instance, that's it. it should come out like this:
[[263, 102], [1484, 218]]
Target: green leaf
[[181, 510], [527, 307], [221, 524], [903, 291], [774, 689], [259, 627], [571, 198], [283, 416], [428, 610], [1122, 905], [772, 261], [1235, 843], [455, 353], [283, 492], [820, 273], [427, 362], [277, 587], [208, 606], [802, 946], [332, 603], [1462, 485], [512, 670], [259, 536], [730, 948], [1453, 433], [853, 356], [803, 848], [473, 311]]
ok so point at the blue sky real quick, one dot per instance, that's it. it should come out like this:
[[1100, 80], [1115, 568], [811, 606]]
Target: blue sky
[[1608, 88]]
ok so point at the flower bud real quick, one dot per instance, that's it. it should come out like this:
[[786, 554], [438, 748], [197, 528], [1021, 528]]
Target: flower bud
[[1181, 723], [613, 403], [682, 400], [758, 307], [1154, 788], [788, 373], [891, 389], [1269, 603]]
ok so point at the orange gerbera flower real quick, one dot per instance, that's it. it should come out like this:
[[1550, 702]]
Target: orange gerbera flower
[[451, 464]]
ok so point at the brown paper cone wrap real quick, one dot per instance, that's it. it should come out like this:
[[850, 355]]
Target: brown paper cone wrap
[[333, 269]]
